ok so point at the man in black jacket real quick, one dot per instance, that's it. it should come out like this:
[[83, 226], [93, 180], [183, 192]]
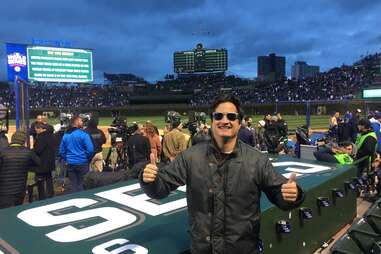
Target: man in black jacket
[[138, 147], [98, 137], [45, 148], [15, 161], [224, 179]]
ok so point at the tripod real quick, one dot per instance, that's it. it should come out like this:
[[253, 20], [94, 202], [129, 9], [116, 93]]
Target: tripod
[[116, 158]]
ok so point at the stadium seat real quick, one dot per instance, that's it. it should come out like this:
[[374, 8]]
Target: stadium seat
[[345, 245], [373, 217], [363, 234]]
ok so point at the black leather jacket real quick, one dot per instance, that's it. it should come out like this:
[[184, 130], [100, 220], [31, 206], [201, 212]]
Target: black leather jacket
[[223, 195]]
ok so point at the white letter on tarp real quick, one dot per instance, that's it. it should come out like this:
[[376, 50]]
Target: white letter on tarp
[[140, 202], [101, 249], [41, 217]]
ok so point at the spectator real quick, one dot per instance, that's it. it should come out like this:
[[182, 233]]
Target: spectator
[[99, 139], [32, 131], [76, 150], [45, 148], [154, 140], [138, 147], [15, 161], [245, 135]]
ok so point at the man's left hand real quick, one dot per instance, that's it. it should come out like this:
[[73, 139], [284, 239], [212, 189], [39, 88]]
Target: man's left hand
[[290, 189]]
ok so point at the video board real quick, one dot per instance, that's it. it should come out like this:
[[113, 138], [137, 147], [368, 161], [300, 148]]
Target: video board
[[49, 64]]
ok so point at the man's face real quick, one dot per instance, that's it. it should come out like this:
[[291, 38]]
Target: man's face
[[360, 128], [225, 128], [79, 123], [348, 149], [39, 119], [249, 122], [337, 114]]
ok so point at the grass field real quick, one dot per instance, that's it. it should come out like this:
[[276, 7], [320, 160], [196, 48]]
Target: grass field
[[317, 122]]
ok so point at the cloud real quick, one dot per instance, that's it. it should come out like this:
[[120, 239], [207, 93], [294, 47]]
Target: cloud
[[141, 36]]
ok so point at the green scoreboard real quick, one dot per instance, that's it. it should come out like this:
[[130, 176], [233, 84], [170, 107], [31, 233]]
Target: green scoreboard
[[54, 64], [201, 60], [121, 219]]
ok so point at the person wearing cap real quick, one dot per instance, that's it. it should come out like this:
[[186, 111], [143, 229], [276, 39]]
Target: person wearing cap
[[45, 148], [138, 146], [76, 150], [15, 161], [174, 142], [366, 144]]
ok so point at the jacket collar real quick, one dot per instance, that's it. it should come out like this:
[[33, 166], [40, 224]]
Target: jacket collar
[[213, 148]]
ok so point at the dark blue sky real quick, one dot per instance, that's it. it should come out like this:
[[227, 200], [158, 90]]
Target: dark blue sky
[[140, 36]]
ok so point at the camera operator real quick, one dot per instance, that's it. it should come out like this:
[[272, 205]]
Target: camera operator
[[272, 136], [98, 138], [174, 142], [201, 135], [138, 146], [342, 154]]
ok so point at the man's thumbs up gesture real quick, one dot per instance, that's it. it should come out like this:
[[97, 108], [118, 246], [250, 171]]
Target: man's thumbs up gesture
[[290, 189], [150, 171]]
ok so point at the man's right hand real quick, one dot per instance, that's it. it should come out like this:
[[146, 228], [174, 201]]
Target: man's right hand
[[150, 171]]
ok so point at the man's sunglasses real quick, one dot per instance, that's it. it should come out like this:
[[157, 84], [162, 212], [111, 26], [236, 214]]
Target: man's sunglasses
[[231, 116]]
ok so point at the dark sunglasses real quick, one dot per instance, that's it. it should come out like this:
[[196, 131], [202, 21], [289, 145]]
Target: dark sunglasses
[[231, 116]]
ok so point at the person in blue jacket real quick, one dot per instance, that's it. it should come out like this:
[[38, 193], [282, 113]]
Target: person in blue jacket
[[76, 150]]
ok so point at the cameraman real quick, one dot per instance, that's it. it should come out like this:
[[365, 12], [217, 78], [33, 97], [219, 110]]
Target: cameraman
[[201, 135], [342, 154], [138, 146], [272, 136]]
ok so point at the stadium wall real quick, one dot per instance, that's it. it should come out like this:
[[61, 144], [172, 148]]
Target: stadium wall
[[288, 108]]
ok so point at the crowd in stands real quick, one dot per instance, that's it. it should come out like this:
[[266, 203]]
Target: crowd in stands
[[345, 82]]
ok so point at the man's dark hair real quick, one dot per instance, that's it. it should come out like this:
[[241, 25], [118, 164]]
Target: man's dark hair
[[247, 118], [74, 119], [345, 144], [365, 123], [92, 124], [228, 98], [40, 126]]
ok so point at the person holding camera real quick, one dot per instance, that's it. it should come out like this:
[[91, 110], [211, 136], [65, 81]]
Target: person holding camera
[[224, 179]]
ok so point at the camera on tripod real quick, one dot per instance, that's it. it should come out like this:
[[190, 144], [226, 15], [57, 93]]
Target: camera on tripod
[[195, 120], [119, 130]]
